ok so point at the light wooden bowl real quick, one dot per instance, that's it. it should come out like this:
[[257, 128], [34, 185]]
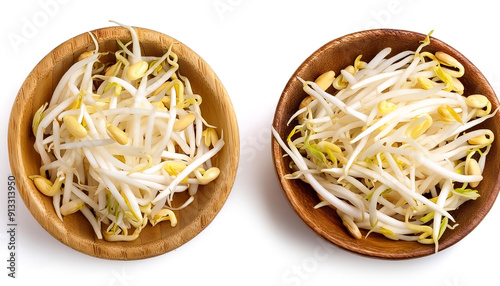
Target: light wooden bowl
[[75, 231], [336, 55]]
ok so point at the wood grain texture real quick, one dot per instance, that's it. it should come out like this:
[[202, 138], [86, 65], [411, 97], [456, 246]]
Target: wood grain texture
[[75, 231], [336, 55]]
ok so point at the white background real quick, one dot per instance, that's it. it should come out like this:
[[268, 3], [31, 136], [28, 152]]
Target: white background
[[254, 47]]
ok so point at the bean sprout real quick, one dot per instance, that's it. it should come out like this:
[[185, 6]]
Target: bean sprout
[[389, 148], [118, 140]]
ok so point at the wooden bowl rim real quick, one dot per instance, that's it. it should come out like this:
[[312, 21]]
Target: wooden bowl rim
[[280, 167], [100, 248]]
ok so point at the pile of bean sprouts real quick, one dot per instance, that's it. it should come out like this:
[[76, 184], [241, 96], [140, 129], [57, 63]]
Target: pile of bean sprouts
[[118, 140], [390, 148]]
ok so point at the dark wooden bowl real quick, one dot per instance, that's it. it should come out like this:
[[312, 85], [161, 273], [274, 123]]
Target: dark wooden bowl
[[75, 231], [336, 55]]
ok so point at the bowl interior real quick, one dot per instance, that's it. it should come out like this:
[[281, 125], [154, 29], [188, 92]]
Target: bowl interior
[[335, 56], [75, 231]]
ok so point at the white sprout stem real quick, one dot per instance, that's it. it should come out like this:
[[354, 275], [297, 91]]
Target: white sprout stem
[[425, 161], [160, 81], [396, 185], [445, 191], [190, 168], [71, 71], [333, 200], [122, 177], [170, 125], [93, 221], [136, 48], [404, 111], [351, 211], [377, 59], [332, 99], [56, 202], [370, 80], [80, 194]]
